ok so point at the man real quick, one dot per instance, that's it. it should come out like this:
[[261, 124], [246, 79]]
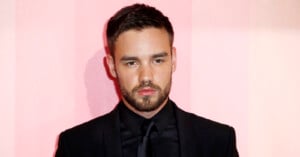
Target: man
[[145, 122]]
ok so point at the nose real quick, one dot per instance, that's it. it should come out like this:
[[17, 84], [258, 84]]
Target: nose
[[146, 73]]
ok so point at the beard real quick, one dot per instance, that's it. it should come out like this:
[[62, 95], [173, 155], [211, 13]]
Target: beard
[[146, 103]]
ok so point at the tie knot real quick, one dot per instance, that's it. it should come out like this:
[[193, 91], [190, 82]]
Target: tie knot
[[147, 127]]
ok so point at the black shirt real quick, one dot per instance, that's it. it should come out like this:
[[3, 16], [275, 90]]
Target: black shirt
[[164, 141]]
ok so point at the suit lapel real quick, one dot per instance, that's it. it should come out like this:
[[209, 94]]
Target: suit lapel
[[112, 140]]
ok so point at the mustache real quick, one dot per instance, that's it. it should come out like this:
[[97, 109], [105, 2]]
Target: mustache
[[144, 84]]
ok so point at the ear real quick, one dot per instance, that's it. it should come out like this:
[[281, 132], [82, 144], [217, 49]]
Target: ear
[[174, 59], [111, 65]]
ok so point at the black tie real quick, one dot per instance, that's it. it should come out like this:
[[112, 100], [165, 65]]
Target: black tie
[[143, 146]]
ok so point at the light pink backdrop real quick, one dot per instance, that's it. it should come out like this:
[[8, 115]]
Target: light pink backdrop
[[237, 64]]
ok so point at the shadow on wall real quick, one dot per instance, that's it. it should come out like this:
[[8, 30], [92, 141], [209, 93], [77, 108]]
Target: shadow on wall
[[102, 92]]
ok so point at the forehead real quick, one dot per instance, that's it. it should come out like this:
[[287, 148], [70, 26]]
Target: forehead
[[142, 42]]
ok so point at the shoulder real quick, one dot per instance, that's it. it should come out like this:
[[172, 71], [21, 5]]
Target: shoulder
[[202, 125], [206, 134], [91, 127], [87, 138]]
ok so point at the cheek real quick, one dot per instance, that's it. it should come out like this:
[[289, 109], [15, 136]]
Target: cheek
[[127, 79], [162, 77]]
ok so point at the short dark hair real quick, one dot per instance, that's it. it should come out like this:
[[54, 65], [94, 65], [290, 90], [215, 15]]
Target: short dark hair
[[138, 17]]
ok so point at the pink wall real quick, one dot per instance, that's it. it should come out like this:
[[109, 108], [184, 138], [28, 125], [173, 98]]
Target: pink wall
[[237, 64]]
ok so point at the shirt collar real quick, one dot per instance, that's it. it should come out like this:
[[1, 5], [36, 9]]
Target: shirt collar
[[134, 121]]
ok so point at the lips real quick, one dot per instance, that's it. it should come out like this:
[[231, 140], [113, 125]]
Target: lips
[[146, 91]]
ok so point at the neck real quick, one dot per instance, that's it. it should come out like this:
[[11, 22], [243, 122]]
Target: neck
[[145, 114]]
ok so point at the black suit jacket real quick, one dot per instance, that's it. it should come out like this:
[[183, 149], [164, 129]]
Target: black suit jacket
[[100, 137]]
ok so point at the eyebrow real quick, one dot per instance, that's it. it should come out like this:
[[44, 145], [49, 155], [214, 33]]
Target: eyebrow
[[158, 55], [161, 54], [127, 58]]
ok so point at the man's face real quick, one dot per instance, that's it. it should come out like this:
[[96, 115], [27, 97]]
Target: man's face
[[143, 64]]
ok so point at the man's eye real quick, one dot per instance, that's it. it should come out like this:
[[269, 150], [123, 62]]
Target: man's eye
[[131, 63], [159, 61]]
